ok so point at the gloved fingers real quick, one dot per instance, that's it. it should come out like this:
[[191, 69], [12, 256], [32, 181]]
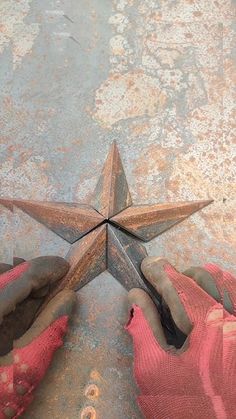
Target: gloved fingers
[[16, 323], [226, 284], [33, 353], [139, 298], [4, 267], [187, 302], [150, 346], [61, 305], [154, 272], [19, 282], [175, 406], [217, 283], [17, 261]]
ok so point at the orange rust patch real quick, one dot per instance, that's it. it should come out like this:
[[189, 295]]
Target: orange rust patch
[[92, 392], [94, 375], [197, 13], [63, 149], [154, 157], [139, 129], [88, 413], [128, 95]]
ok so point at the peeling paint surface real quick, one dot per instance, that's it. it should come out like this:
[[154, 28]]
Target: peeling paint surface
[[128, 96], [157, 76], [15, 31]]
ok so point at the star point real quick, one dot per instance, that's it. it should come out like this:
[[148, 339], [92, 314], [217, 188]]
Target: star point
[[70, 221], [148, 221], [112, 194]]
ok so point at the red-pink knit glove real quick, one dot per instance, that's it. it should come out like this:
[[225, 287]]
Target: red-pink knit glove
[[23, 368], [199, 380]]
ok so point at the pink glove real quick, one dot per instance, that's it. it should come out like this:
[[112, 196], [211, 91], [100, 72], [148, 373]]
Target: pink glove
[[199, 380], [23, 368]]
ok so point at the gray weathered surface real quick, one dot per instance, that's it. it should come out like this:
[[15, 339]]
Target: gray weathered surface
[[158, 78]]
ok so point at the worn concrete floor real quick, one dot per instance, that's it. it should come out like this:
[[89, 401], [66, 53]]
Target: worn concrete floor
[[157, 76]]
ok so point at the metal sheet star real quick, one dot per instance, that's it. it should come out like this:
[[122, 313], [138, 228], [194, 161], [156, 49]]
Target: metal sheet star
[[107, 234]]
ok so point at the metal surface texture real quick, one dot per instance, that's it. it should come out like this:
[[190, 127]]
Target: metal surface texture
[[69, 221], [149, 221], [124, 257], [158, 78], [97, 243], [112, 194]]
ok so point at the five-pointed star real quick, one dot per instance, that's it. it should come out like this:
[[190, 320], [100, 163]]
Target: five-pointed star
[[107, 234]]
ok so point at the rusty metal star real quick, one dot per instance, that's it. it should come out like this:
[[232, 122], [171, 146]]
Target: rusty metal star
[[107, 234]]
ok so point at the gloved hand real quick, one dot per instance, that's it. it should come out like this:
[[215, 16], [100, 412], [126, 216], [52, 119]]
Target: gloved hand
[[23, 362], [199, 380]]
